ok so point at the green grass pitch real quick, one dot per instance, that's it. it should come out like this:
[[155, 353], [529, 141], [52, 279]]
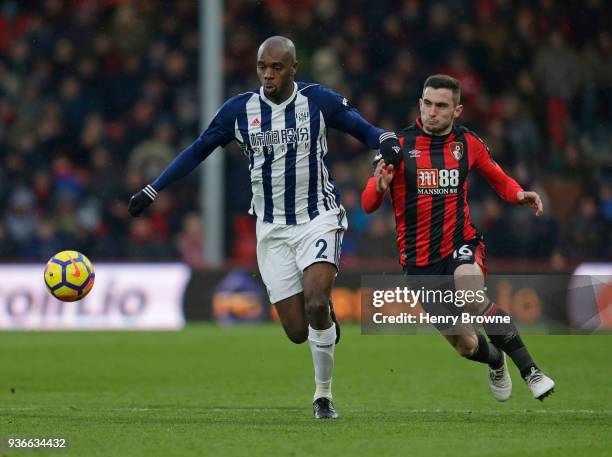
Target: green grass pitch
[[247, 391]]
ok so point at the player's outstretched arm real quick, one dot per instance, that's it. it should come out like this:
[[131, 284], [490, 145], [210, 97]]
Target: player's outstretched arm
[[376, 187], [532, 200]]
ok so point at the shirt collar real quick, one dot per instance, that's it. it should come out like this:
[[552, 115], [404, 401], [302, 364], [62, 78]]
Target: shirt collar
[[285, 103]]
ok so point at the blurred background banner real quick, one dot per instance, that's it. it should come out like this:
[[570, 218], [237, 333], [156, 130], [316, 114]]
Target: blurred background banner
[[163, 296], [124, 297]]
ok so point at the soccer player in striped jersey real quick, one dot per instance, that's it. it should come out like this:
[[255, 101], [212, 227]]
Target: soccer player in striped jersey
[[282, 128], [434, 235]]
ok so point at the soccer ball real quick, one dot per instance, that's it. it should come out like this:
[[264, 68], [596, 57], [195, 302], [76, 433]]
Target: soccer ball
[[69, 275]]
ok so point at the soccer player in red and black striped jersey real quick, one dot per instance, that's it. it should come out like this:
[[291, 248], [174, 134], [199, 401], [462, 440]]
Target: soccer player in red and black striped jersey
[[428, 190]]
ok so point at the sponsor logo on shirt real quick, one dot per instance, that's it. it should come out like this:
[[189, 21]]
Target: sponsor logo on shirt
[[434, 181], [276, 137]]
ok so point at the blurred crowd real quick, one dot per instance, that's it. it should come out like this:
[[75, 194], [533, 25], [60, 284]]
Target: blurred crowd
[[97, 96]]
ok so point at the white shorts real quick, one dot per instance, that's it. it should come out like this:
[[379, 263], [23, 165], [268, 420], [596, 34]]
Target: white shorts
[[285, 251]]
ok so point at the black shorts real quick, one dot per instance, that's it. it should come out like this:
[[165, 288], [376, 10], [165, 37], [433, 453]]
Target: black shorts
[[472, 251], [439, 277]]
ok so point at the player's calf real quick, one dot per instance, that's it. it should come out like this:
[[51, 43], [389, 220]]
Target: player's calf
[[318, 282], [297, 335], [332, 314], [474, 346], [291, 314]]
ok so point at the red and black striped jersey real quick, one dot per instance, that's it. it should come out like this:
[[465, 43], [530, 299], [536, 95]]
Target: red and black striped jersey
[[429, 191]]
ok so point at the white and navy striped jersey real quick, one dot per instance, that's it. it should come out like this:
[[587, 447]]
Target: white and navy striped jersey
[[286, 145]]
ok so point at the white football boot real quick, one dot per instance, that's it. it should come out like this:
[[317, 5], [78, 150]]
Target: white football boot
[[500, 382], [541, 386]]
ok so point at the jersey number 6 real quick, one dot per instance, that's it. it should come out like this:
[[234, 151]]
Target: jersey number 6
[[463, 251]]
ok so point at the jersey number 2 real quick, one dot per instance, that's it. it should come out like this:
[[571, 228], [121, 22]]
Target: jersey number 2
[[322, 242]]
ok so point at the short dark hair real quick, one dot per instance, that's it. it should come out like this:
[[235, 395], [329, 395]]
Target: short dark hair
[[444, 82]]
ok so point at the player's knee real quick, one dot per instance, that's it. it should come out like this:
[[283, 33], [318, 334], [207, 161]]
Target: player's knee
[[470, 280], [466, 347], [467, 270], [317, 306]]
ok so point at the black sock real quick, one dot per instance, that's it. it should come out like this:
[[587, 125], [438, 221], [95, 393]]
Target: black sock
[[487, 353], [507, 338]]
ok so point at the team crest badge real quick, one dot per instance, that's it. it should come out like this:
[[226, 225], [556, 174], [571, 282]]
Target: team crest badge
[[456, 149]]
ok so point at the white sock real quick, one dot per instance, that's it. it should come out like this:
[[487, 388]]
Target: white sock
[[322, 344]]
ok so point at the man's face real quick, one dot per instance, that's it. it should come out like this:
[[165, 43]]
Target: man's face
[[275, 71], [438, 110]]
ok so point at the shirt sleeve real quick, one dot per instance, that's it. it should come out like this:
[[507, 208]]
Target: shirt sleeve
[[504, 185], [219, 132], [340, 115], [371, 199]]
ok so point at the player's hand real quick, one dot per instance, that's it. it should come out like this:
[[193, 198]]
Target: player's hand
[[531, 199], [390, 149], [383, 174], [141, 200]]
